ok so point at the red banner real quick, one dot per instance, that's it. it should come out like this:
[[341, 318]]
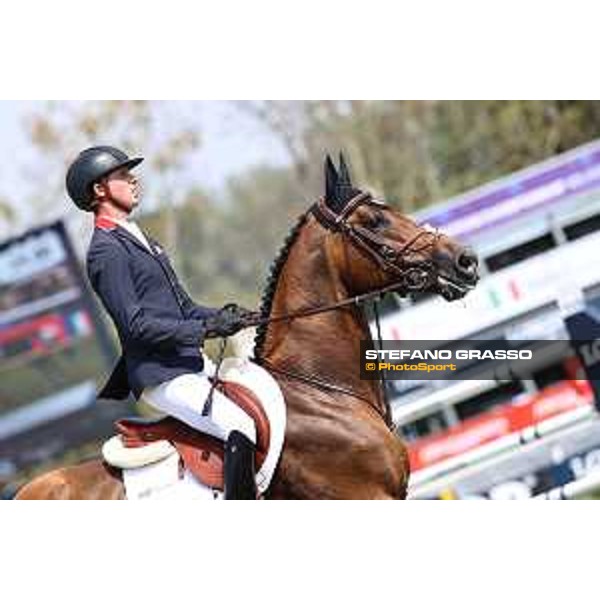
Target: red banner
[[557, 399]]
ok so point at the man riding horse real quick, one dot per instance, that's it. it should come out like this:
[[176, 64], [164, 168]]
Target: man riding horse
[[160, 328], [334, 435]]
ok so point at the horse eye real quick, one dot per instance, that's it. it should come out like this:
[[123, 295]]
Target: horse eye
[[377, 221]]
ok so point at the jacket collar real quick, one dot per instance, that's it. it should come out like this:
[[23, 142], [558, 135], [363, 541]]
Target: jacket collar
[[107, 224]]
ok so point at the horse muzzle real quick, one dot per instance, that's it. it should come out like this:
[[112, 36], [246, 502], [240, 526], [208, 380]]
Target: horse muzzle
[[457, 282]]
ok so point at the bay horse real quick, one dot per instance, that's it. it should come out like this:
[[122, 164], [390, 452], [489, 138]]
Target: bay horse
[[339, 440]]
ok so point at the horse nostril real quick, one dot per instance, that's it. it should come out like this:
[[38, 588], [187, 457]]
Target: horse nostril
[[467, 262]]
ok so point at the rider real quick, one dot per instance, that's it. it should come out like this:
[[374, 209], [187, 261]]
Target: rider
[[160, 328]]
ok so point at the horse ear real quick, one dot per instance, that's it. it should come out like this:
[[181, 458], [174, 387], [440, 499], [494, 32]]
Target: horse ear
[[344, 172], [331, 182]]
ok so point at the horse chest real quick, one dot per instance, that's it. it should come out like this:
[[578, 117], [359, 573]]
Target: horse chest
[[340, 454]]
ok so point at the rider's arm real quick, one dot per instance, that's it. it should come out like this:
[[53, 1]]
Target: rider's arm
[[110, 275], [193, 310], [190, 308], [196, 311]]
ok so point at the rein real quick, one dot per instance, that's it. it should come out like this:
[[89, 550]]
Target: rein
[[412, 278], [315, 310]]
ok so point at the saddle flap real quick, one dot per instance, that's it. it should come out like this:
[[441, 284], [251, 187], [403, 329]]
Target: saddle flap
[[251, 405]]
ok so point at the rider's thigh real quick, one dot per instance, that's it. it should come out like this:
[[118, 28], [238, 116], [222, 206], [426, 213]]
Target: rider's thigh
[[184, 398]]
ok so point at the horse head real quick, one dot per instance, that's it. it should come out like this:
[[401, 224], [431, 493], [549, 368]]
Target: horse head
[[380, 247]]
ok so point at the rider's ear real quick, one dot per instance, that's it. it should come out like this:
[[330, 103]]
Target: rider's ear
[[98, 190], [344, 172], [331, 182]]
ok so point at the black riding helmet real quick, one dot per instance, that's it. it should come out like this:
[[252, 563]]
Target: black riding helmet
[[89, 167]]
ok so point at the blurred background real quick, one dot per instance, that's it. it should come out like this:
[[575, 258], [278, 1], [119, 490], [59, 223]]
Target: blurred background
[[224, 181]]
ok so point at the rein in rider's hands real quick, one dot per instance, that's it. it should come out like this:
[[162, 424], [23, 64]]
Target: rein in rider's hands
[[228, 321]]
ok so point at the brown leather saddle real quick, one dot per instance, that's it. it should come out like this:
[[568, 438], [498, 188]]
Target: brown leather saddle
[[200, 453]]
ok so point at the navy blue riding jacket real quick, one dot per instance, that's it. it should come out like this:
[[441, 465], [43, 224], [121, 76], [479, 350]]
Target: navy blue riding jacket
[[159, 326]]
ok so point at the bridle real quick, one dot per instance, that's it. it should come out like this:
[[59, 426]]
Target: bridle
[[412, 277]]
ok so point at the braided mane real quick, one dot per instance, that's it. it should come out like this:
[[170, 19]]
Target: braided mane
[[266, 301]]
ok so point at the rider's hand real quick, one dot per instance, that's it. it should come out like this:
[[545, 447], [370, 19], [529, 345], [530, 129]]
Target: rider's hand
[[246, 317], [228, 321]]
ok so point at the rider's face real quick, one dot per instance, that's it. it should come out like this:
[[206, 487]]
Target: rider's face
[[123, 189]]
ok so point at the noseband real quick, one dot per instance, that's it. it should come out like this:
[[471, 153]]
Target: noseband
[[412, 276]]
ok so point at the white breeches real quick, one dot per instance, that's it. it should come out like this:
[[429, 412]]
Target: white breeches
[[184, 398]]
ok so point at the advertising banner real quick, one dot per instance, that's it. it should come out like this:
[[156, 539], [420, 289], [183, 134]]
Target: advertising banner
[[478, 431], [490, 206]]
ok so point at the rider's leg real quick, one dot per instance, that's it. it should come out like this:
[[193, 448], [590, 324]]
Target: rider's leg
[[184, 398], [239, 470]]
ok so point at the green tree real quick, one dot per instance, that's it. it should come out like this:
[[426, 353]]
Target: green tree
[[418, 152]]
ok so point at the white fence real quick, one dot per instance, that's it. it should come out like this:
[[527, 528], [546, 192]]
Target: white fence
[[443, 474]]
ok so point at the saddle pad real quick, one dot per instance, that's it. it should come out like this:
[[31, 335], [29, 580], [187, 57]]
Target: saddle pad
[[163, 481], [265, 387], [118, 455]]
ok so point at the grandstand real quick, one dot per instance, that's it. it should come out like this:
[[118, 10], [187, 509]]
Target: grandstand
[[536, 232]]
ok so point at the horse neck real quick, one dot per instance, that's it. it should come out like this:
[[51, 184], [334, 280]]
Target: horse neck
[[326, 345]]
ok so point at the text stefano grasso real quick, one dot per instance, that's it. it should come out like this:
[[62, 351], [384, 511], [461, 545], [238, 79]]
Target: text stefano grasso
[[497, 354]]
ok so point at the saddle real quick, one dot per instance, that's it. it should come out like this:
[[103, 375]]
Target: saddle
[[200, 453]]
